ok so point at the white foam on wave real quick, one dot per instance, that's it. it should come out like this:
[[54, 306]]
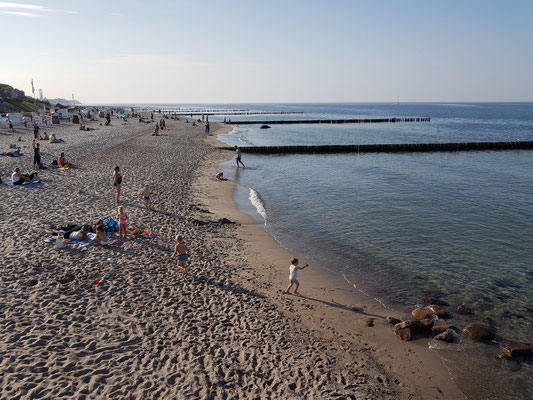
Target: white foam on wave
[[257, 203]]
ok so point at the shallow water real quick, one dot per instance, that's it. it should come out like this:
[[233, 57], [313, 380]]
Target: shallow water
[[459, 225]]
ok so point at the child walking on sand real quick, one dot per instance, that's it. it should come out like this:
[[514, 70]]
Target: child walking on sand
[[122, 222], [146, 194], [293, 275], [182, 251]]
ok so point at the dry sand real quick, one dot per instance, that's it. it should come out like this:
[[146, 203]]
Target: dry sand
[[146, 331]]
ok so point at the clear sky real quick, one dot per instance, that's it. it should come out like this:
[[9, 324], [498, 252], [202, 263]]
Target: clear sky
[[223, 51]]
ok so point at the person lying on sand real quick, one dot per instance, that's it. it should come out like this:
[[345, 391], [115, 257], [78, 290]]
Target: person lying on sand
[[53, 139], [182, 251], [18, 178], [293, 275], [80, 235], [15, 153]]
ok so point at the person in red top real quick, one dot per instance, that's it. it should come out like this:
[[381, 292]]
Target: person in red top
[[62, 162]]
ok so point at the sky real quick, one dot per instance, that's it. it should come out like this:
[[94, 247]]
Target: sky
[[269, 51]]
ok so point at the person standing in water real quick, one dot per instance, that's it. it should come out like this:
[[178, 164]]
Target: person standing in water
[[117, 181], [238, 159]]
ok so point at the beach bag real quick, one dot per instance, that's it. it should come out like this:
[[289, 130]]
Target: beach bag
[[110, 225]]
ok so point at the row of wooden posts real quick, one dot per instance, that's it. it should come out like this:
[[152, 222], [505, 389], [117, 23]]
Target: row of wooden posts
[[333, 121], [387, 148]]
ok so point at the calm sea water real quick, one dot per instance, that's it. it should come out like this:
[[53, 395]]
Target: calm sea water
[[401, 226]]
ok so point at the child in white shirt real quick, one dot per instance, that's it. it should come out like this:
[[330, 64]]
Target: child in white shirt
[[293, 275]]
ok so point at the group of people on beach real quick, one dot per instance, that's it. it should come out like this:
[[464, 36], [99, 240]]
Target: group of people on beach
[[181, 251]]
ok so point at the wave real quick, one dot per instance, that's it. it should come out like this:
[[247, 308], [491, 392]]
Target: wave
[[257, 203]]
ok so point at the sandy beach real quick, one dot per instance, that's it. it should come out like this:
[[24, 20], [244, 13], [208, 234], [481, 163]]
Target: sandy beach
[[144, 330]]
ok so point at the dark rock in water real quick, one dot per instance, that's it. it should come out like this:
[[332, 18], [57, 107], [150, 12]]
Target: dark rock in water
[[463, 309], [529, 308], [369, 322], [480, 332], [422, 325], [443, 328], [264, 127], [292, 386], [393, 321], [406, 329], [225, 221], [511, 349], [433, 300], [448, 336], [436, 310], [419, 314], [32, 282]]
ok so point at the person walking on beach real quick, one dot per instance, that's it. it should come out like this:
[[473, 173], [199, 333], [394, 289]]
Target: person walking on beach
[[293, 275], [122, 222], [182, 251], [238, 159], [117, 181], [147, 196], [36, 155]]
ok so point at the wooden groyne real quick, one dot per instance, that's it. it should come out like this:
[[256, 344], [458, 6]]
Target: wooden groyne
[[386, 148], [223, 113], [333, 121]]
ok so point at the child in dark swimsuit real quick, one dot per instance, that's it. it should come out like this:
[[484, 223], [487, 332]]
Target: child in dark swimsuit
[[36, 156], [117, 181], [182, 251], [146, 194]]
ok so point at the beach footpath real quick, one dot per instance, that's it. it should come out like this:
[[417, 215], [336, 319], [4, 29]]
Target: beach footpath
[[120, 321]]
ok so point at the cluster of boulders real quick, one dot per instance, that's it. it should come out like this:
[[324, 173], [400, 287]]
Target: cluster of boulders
[[429, 321]]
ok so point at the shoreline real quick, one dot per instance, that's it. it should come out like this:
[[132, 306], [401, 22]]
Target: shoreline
[[339, 309]]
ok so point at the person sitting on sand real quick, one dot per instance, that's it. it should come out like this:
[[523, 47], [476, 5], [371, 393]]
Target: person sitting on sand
[[182, 251], [18, 178], [156, 130], [62, 162], [101, 238], [293, 275], [98, 223], [220, 176], [146, 194], [122, 222]]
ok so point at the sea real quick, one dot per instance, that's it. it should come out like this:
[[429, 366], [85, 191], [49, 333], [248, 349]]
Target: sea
[[400, 227]]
